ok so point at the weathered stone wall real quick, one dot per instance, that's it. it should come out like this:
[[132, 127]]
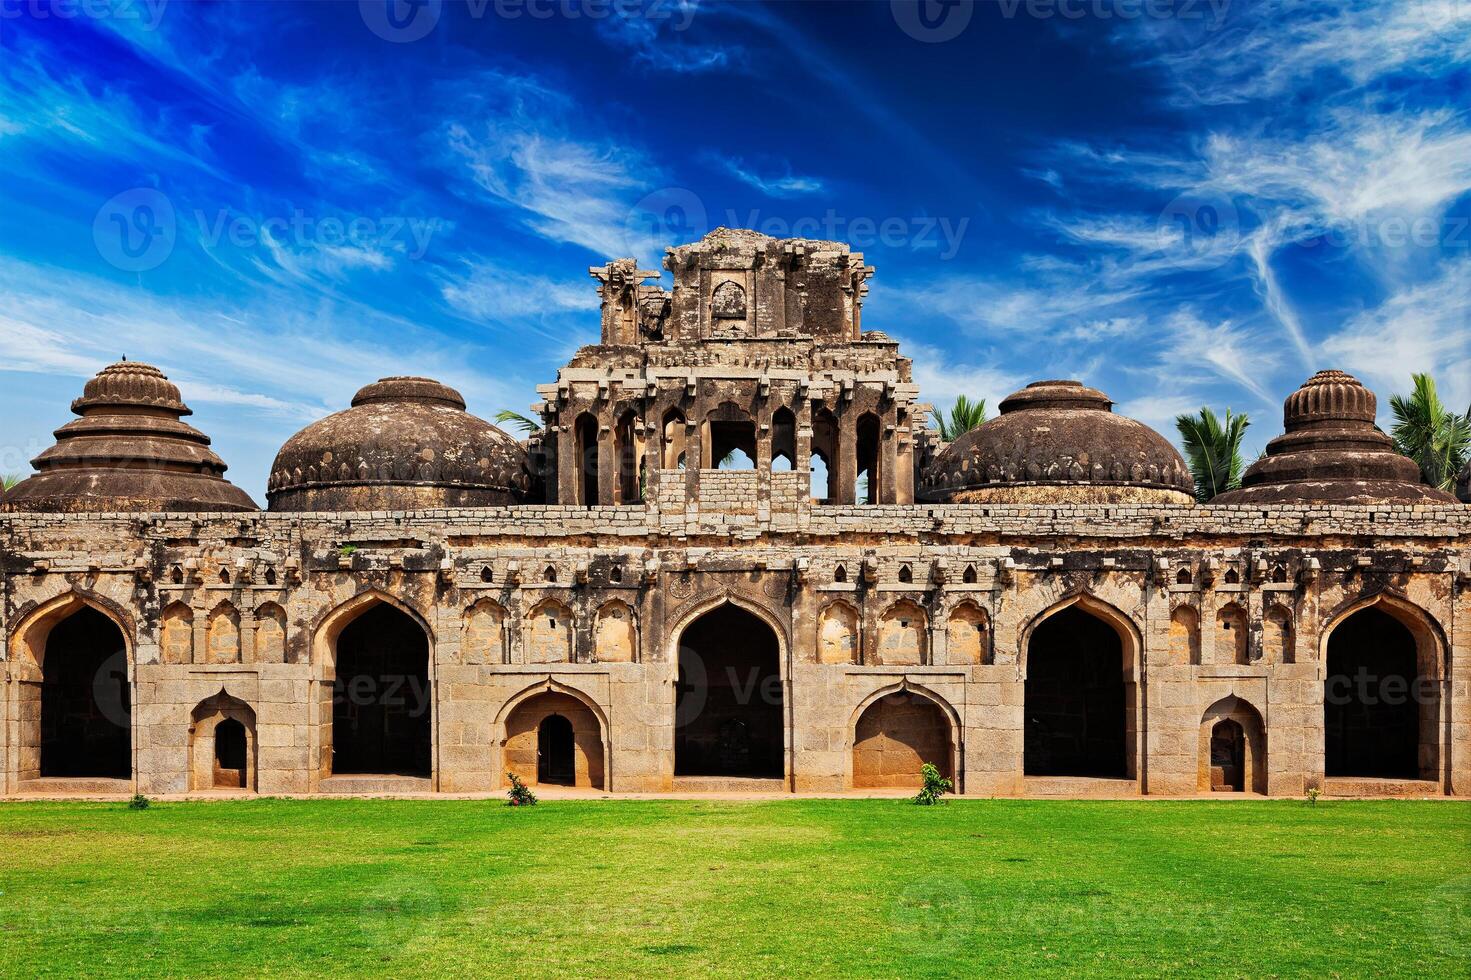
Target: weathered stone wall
[[248, 605]]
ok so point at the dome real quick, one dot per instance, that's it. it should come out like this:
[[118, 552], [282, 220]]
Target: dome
[[1059, 442], [1331, 451], [128, 451], [405, 444]]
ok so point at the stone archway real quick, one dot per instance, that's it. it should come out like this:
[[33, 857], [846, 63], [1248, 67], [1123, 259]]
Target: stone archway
[[222, 745], [895, 734], [71, 667], [1381, 693], [1080, 693], [1232, 748], [729, 711], [552, 721], [377, 701]]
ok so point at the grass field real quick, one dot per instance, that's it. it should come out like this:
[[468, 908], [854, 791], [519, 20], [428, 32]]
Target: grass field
[[807, 887]]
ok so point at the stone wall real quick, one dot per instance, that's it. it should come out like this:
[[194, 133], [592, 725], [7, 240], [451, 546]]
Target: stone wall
[[248, 605]]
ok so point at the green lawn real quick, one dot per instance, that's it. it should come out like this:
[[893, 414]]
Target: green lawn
[[422, 888]]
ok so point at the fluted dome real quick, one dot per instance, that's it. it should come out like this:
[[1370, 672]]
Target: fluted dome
[[1331, 451], [128, 451], [405, 444], [1059, 441]]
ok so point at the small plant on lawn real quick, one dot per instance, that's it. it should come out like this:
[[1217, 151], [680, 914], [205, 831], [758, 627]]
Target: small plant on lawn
[[1313, 795], [519, 794], [935, 786], [139, 802]]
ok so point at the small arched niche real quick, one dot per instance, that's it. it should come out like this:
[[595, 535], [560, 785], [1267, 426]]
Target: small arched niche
[[968, 635], [222, 745], [1233, 748]]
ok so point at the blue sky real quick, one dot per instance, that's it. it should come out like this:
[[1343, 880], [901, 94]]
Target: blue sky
[[1183, 202]]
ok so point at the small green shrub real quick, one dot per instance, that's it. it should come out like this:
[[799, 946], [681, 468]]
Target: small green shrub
[[519, 794], [139, 802], [935, 786], [1313, 795], [348, 550]]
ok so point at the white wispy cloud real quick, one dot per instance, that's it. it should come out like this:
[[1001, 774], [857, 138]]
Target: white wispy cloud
[[781, 185], [491, 291], [521, 146]]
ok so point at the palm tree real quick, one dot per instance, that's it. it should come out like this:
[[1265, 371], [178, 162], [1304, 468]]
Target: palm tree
[[525, 423], [1213, 448], [964, 416], [9, 480], [1437, 439]]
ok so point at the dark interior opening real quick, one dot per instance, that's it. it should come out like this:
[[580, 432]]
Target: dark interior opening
[[587, 458], [867, 488], [86, 709], [381, 702], [1228, 756], [230, 761], [1371, 714], [1075, 706], [728, 706], [555, 754]]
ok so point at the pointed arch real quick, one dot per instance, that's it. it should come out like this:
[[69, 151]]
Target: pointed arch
[[1130, 636], [860, 772], [270, 634], [1231, 640], [483, 633], [176, 634], [615, 633], [1278, 635], [903, 636], [1226, 764], [1184, 635], [968, 634], [520, 720], [838, 634], [222, 744], [549, 633], [330, 624]]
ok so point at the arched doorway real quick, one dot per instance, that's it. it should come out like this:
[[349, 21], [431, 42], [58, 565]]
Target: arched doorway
[[555, 737], [381, 701], [555, 752], [1075, 700], [230, 768], [1376, 700], [895, 736], [1228, 757], [728, 710], [1233, 748], [222, 744], [86, 715]]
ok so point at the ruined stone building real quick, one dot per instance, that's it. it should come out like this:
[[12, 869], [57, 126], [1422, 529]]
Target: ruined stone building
[[733, 557]]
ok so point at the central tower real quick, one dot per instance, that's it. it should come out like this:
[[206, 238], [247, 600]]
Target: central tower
[[756, 360]]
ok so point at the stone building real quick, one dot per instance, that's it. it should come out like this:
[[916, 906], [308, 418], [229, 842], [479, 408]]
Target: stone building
[[733, 557]]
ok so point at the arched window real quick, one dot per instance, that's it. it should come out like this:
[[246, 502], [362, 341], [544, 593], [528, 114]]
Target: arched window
[[673, 431], [783, 440], [969, 576], [1182, 577], [825, 466], [906, 574], [869, 486], [586, 433]]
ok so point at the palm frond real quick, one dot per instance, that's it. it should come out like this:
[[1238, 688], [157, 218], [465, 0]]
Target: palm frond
[[1438, 440], [525, 423], [964, 416], [1213, 450]]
